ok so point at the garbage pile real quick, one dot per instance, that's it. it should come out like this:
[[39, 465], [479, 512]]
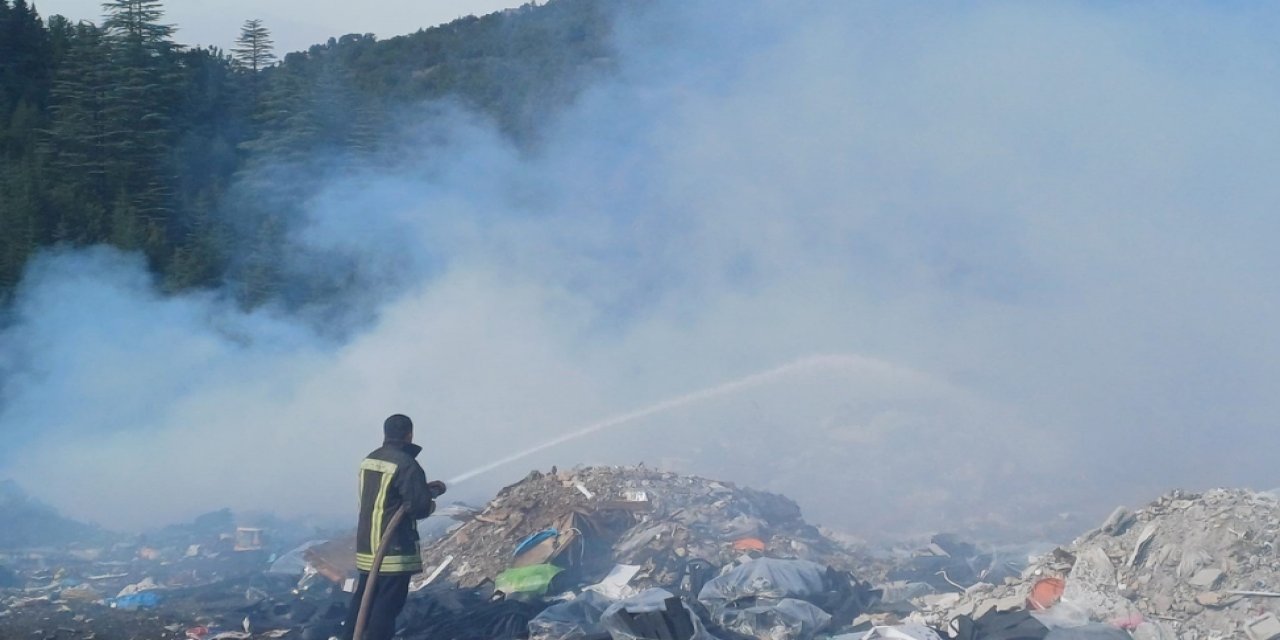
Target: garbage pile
[[202, 580], [562, 555], [762, 599], [588, 520], [1188, 566], [947, 561], [631, 553]]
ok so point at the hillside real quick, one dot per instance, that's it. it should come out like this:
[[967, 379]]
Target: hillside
[[25, 522], [137, 142]]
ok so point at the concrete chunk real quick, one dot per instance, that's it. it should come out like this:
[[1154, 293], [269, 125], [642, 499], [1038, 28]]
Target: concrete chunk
[[1209, 599], [1140, 548], [1205, 578], [1266, 627], [941, 601]]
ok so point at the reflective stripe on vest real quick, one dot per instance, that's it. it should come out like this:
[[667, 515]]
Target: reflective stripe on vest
[[386, 471], [390, 564]]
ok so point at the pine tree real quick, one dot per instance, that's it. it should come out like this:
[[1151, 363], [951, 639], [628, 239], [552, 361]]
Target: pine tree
[[75, 142], [25, 67], [288, 127], [254, 52], [368, 122], [138, 114], [196, 261], [254, 48], [137, 23], [260, 275], [7, 56], [213, 118], [19, 220]]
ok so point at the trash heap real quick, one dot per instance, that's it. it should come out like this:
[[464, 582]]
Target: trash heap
[[761, 598], [199, 581], [1187, 566], [631, 553], [624, 553], [588, 520]]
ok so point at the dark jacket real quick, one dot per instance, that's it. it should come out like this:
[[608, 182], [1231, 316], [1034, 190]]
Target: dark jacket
[[391, 477]]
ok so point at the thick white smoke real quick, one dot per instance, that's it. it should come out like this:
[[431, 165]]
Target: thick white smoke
[[1040, 233]]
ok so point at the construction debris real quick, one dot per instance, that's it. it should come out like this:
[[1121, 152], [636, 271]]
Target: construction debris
[[636, 554], [185, 581], [1188, 566], [659, 521]]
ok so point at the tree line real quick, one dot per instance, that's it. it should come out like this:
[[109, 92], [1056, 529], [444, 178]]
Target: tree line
[[114, 133]]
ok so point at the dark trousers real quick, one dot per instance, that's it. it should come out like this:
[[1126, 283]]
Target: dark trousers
[[389, 595]]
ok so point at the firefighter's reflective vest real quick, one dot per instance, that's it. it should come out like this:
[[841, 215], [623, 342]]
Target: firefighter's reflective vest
[[391, 477]]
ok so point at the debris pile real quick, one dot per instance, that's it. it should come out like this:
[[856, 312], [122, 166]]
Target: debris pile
[[635, 554], [202, 580], [589, 520], [1188, 566]]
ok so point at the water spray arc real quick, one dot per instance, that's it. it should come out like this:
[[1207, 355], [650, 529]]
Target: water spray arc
[[803, 365]]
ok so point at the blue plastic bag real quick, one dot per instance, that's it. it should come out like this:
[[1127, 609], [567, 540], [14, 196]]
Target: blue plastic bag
[[135, 601]]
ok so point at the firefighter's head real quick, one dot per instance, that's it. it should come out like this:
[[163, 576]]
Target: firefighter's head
[[398, 428]]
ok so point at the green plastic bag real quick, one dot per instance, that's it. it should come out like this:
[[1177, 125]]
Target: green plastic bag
[[532, 580]]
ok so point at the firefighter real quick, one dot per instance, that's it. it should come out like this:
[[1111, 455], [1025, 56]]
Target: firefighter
[[389, 478]]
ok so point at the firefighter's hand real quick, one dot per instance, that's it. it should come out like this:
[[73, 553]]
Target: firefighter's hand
[[437, 488]]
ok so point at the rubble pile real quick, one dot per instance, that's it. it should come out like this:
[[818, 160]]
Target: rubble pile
[[197, 581], [555, 551], [1188, 566], [630, 553], [603, 516]]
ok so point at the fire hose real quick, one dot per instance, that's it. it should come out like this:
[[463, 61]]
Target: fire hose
[[372, 580]]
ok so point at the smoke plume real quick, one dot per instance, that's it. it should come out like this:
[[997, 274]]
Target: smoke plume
[[1036, 239]]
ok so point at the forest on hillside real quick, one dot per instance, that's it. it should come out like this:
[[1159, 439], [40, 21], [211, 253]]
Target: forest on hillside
[[114, 133]]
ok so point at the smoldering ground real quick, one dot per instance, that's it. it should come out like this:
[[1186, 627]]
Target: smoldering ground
[[1033, 240]]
